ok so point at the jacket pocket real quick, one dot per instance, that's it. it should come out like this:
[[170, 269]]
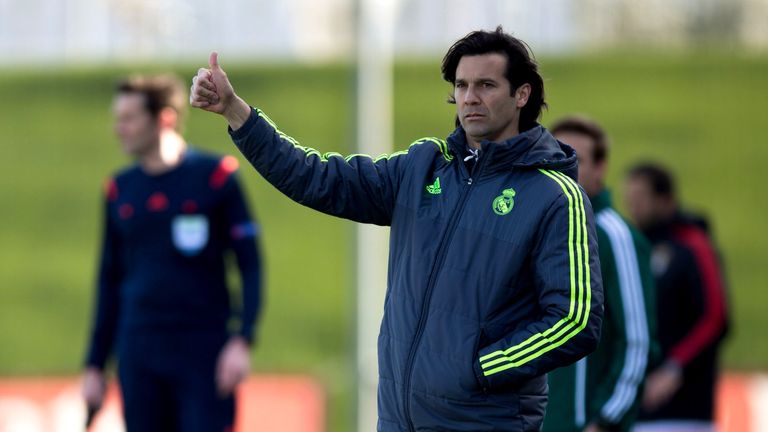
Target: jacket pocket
[[482, 382]]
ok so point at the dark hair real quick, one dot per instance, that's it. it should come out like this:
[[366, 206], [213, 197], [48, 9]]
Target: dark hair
[[160, 91], [659, 178], [521, 67], [587, 127]]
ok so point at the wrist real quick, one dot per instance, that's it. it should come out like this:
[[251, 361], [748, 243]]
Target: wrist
[[90, 369], [239, 340], [237, 113], [672, 365], [603, 424]]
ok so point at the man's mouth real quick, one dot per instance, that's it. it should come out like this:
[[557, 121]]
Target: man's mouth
[[473, 116]]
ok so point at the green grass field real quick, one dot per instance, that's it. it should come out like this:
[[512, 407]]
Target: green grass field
[[700, 114]]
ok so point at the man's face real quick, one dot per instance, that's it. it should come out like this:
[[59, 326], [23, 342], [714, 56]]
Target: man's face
[[591, 173], [644, 207], [484, 105], [134, 126]]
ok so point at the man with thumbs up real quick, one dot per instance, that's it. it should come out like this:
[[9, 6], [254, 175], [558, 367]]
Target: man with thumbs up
[[493, 274]]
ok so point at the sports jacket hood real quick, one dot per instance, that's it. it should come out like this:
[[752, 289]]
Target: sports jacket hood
[[535, 148]]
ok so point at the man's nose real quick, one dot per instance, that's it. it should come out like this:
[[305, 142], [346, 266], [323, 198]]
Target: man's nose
[[470, 96]]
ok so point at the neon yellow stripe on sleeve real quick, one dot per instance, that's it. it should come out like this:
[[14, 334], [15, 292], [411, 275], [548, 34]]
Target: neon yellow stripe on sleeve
[[578, 254]]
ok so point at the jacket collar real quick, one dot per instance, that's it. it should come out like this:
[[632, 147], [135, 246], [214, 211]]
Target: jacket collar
[[531, 149], [664, 229], [601, 201]]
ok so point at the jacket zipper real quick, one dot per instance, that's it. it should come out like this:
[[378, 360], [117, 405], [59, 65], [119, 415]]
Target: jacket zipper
[[441, 252]]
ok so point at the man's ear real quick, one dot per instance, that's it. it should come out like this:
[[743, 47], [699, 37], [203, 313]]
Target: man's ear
[[522, 94], [168, 118]]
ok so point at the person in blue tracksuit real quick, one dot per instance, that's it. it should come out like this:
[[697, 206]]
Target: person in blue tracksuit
[[493, 270], [162, 300]]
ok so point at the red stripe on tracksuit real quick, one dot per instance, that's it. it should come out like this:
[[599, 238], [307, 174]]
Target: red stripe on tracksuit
[[111, 190], [710, 326], [227, 166]]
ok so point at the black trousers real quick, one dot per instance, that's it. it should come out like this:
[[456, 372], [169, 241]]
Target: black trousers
[[167, 380]]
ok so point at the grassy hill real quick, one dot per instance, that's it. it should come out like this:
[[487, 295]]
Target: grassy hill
[[698, 113]]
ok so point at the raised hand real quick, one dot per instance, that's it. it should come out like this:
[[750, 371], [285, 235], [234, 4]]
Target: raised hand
[[204, 92], [212, 91]]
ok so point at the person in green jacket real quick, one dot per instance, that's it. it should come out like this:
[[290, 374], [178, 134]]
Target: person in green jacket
[[601, 392]]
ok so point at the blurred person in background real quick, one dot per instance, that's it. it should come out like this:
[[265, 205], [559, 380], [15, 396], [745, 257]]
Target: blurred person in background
[[493, 273], [163, 304], [602, 391], [691, 305]]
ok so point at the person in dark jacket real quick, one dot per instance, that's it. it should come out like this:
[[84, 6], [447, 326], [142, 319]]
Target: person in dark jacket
[[163, 305], [691, 305], [493, 271], [602, 391]]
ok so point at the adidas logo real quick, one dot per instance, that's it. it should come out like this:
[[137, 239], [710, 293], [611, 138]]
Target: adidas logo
[[434, 188]]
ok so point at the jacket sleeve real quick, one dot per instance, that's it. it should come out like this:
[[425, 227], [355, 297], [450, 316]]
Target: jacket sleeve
[[708, 290], [623, 268], [355, 187], [244, 241], [107, 305], [566, 279]]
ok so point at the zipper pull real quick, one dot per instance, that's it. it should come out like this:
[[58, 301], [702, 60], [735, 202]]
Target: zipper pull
[[469, 181]]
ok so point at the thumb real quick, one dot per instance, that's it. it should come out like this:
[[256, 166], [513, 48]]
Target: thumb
[[213, 61]]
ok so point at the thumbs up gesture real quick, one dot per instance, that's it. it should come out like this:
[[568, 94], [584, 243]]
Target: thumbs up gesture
[[212, 91]]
